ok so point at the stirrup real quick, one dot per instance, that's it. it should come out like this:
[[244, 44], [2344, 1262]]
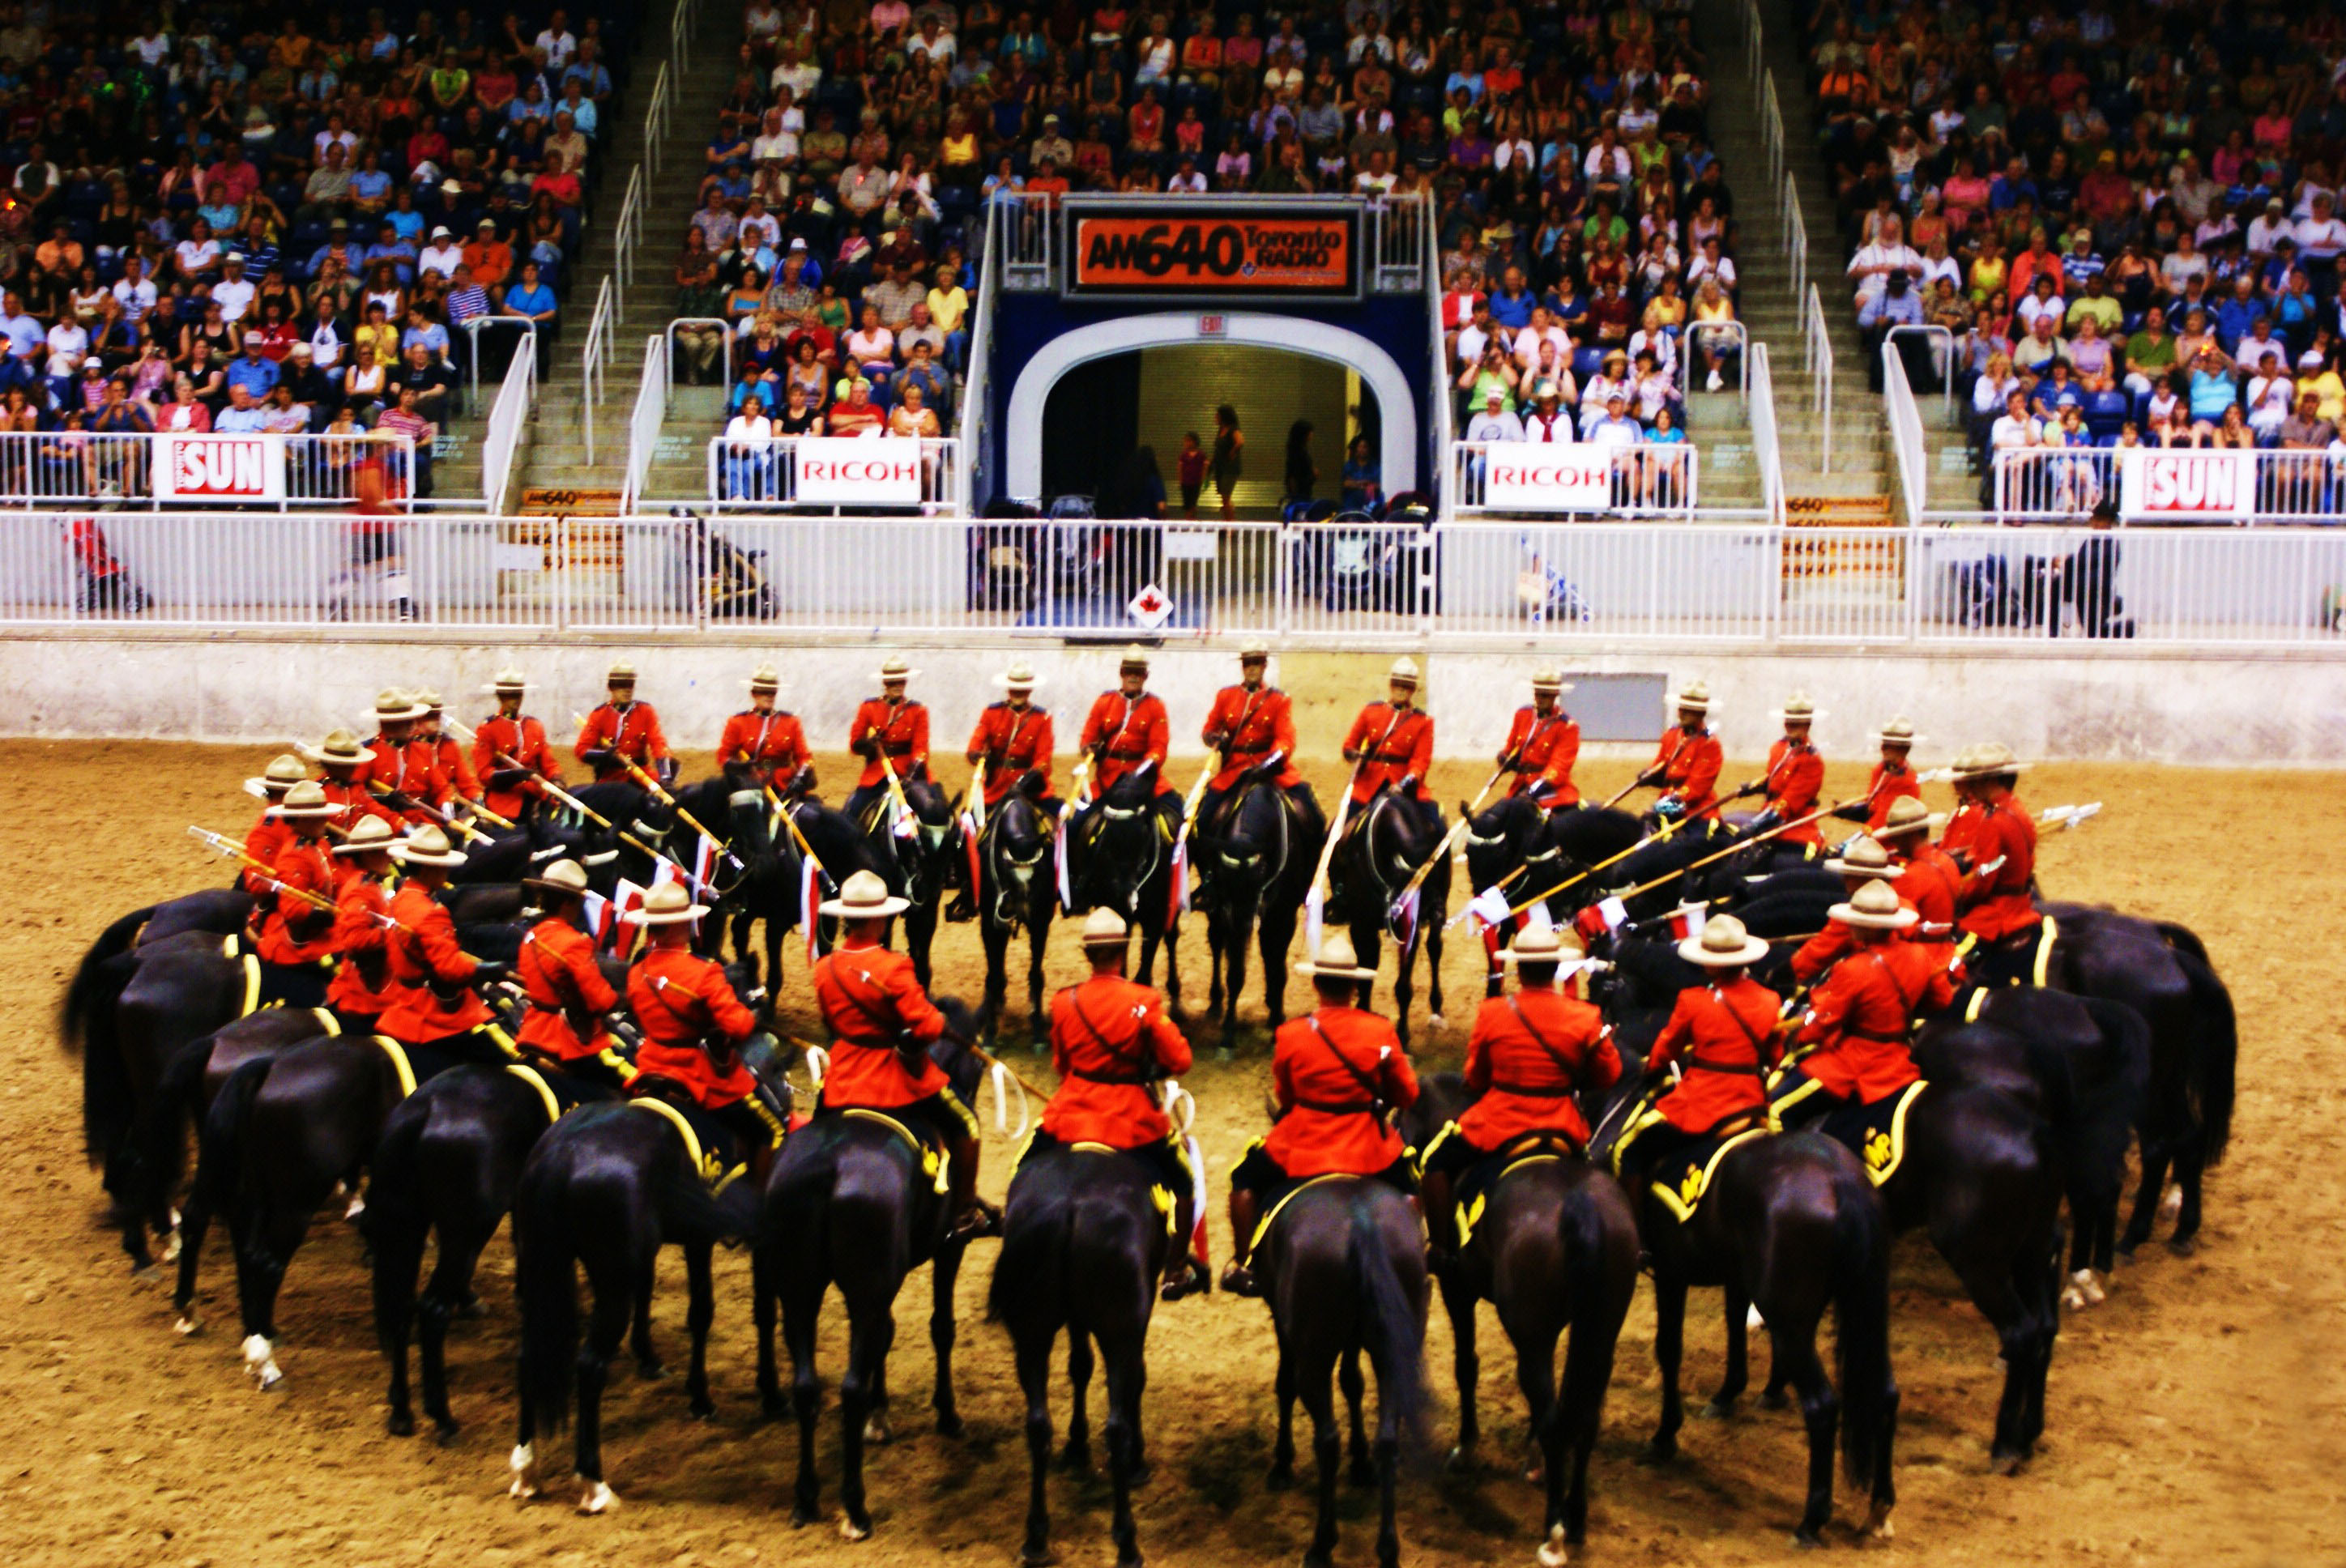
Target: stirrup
[[1194, 1280], [1237, 1279], [980, 1220]]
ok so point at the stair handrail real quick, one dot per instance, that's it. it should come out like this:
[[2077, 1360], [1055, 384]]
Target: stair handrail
[[592, 359], [508, 416], [1904, 417], [977, 380], [644, 422], [1817, 339], [656, 117], [680, 25], [1767, 442], [628, 232]]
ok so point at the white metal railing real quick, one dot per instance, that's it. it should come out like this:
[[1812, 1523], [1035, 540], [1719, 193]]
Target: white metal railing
[[751, 475], [1772, 126], [1817, 336], [975, 414], [2209, 485], [649, 414], [629, 232], [1524, 478], [1942, 356], [594, 362], [1905, 421], [1759, 384], [1028, 233], [679, 33], [2053, 484], [501, 439], [192, 470], [656, 110], [724, 345], [525, 341], [1467, 584], [1441, 407], [1400, 235], [1796, 233]]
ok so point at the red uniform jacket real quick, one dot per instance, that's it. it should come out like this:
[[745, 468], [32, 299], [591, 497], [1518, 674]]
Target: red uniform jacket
[[566, 987], [1994, 898], [1722, 1037], [264, 843], [681, 999], [410, 768], [1134, 730], [522, 741], [1328, 1072], [1542, 753], [427, 951], [1109, 1039], [633, 733], [1838, 940], [1887, 783], [1527, 1064], [357, 802], [1396, 743], [1858, 1019], [774, 744], [1010, 743], [1689, 766], [309, 867], [1929, 887], [1256, 724], [363, 984], [456, 774], [902, 730], [1963, 828], [871, 1003], [1795, 775]]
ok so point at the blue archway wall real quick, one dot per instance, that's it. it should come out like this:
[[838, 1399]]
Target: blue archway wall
[[1024, 323]]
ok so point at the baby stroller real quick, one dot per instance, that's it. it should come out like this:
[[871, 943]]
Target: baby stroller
[[729, 582], [102, 585]]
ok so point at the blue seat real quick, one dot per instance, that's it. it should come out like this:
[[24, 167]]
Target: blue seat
[[2105, 413]]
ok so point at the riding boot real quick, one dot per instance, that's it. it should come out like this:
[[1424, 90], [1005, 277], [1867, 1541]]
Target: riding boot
[[972, 1216], [1441, 1216], [1186, 1273], [1245, 1213]]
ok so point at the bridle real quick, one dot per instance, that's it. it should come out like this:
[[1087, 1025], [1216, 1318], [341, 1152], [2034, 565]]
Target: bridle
[[1013, 878]]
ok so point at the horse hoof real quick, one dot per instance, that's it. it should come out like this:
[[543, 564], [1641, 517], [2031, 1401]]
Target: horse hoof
[[188, 1324], [1461, 1461], [876, 1432], [1717, 1409], [949, 1425], [1280, 1478], [357, 1207], [261, 1361], [2182, 1245], [1658, 1452], [703, 1410], [402, 1424], [2005, 1463], [2170, 1202], [1878, 1526], [1138, 1477], [1552, 1554], [470, 1308], [651, 1371], [801, 1516], [774, 1407], [145, 1269], [1808, 1541], [1036, 1556], [851, 1531], [597, 1498], [1774, 1400], [443, 1430], [171, 1248], [1075, 1461]]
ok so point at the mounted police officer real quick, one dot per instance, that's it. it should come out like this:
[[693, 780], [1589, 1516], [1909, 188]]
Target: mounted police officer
[[1126, 733], [1013, 740], [623, 731], [892, 725], [696, 1029], [1252, 726], [296, 943], [569, 1000], [1393, 744], [763, 745], [1543, 745], [511, 753], [1996, 907], [1685, 764], [434, 1003]]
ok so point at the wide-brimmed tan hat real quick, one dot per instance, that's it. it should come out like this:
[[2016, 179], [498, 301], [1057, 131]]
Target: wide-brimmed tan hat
[[895, 667], [1552, 945], [1985, 760], [307, 798], [508, 680], [1335, 959], [1864, 857], [283, 772], [1899, 731], [621, 674], [566, 877], [429, 700], [666, 904], [765, 677], [1254, 650], [1019, 676], [427, 846], [1405, 671], [372, 833], [1798, 709], [390, 705], [1105, 927], [864, 896], [1722, 943], [1694, 694], [1547, 678], [1875, 905], [1907, 815], [1135, 658], [340, 749]]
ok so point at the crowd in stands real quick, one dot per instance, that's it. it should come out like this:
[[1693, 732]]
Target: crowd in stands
[[273, 219], [1585, 225], [2128, 215]]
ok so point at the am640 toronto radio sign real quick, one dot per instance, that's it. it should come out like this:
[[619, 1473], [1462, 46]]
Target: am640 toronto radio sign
[[1149, 250]]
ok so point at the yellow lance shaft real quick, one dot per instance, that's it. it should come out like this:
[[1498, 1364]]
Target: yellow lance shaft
[[446, 818], [977, 796], [1741, 844], [793, 822], [1655, 837], [1450, 840], [565, 798], [1344, 812], [1195, 799], [222, 844], [669, 801]]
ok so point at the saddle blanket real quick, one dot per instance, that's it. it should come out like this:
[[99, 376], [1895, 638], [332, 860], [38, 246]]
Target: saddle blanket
[[1682, 1179], [1876, 1134]]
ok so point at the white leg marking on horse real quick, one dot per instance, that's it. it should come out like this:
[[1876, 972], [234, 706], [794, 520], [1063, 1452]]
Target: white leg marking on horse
[[1551, 1552], [849, 1530], [358, 1207], [595, 1497], [260, 1360], [1877, 1522], [189, 1323], [2171, 1203], [524, 1464], [1751, 1319]]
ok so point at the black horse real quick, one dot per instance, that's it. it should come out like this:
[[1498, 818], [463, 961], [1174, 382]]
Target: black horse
[[1530, 850], [1254, 864], [1557, 1246], [605, 1188], [1123, 861], [858, 1200], [1342, 1263], [1372, 864], [1015, 891], [2162, 971], [1789, 1224], [447, 1164], [919, 860], [1083, 1245]]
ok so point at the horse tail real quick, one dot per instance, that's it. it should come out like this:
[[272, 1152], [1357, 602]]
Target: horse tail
[[2183, 939], [87, 1005], [219, 1165], [2214, 1054], [1389, 1330], [2104, 1111], [1579, 1405], [163, 1136], [1032, 1264], [546, 1281], [1869, 1394], [85, 1024], [689, 1211], [395, 1223]]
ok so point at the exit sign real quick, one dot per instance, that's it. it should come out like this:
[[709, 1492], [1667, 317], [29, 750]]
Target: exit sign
[[1213, 326]]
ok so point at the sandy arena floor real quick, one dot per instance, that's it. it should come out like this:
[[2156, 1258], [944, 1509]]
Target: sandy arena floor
[[2198, 1416]]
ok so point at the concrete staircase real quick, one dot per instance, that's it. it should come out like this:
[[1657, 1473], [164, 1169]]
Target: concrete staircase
[[555, 451], [1861, 462]]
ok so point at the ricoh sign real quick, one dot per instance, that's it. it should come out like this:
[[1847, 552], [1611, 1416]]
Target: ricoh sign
[[220, 468], [852, 470], [1527, 477]]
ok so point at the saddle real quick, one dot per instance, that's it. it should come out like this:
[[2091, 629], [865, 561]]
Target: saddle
[[923, 1142], [1541, 1145], [558, 1091], [1876, 1134], [1158, 1193], [1680, 1180], [710, 1150]]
